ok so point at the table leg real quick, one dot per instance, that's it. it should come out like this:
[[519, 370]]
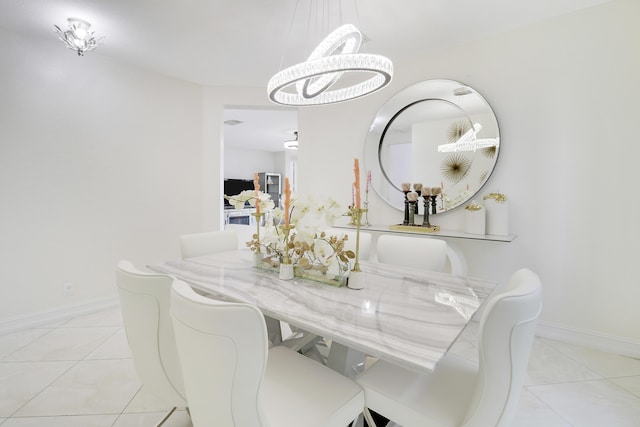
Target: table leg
[[345, 360], [273, 330]]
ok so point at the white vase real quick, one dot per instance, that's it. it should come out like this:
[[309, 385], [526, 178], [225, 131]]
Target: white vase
[[286, 271], [497, 217], [475, 221]]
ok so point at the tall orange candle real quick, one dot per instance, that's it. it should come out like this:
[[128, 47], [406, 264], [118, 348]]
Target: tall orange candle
[[287, 201], [256, 186], [356, 184]]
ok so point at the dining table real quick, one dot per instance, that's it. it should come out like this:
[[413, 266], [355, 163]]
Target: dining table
[[405, 316]]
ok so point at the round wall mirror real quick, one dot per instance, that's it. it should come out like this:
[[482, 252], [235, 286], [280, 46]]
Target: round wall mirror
[[440, 133]]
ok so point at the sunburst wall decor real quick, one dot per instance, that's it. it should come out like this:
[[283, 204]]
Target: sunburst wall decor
[[457, 129], [489, 152], [455, 167]]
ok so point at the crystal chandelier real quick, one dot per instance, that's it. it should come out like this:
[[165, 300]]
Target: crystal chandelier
[[78, 37], [310, 82]]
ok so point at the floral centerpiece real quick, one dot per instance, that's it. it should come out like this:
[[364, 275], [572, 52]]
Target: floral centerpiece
[[313, 252], [261, 202]]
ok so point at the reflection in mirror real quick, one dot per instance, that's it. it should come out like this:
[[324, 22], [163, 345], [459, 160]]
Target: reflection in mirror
[[439, 133]]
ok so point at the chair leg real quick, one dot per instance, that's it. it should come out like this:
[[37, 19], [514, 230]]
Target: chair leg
[[166, 417], [369, 418]]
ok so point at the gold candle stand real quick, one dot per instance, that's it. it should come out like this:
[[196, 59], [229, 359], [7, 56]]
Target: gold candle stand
[[286, 229], [357, 213], [258, 220]]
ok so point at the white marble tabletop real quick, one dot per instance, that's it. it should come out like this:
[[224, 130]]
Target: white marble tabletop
[[404, 316]]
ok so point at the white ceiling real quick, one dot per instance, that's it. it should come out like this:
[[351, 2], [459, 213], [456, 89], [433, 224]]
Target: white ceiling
[[261, 129], [245, 42]]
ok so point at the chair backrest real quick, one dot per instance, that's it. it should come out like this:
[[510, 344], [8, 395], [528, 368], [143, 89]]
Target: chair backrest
[[245, 233], [507, 330], [144, 300], [364, 246], [415, 252], [197, 244], [223, 350]]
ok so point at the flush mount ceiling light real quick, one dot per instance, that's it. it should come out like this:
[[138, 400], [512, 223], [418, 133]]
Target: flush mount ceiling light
[[469, 142], [310, 82], [293, 143], [78, 37]]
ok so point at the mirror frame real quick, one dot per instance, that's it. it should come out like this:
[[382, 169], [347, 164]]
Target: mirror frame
[[427, 90]]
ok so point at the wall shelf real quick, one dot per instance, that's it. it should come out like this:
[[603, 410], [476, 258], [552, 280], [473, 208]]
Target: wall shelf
[[441, 233], [456, 257]]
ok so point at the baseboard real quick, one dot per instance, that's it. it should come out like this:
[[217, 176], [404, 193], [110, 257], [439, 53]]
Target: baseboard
[[33, 320], [608, 343]]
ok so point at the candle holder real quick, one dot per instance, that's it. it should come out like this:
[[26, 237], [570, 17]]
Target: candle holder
[[413, 207], [258, 221], [356, 276], [434, 202], [425, 219], [366, 210], [352, 215], [286, 268], [286, 229], [406, 207], [358, 217], [257, 255]]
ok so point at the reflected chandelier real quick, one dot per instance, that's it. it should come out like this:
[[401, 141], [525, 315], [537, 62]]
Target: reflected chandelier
[[292, 144], [310, 82], [469, 142], [78, 37]]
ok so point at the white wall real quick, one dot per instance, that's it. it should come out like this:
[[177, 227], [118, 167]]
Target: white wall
[[565, 93], [98, 161], [242, 163]]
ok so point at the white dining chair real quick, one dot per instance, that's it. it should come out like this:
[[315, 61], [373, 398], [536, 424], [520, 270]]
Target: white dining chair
[[196, 244], [244, 232], [232, 378], [425, 253], [144, 301], [460, 392]]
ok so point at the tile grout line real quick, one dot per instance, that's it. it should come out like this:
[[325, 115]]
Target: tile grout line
[[548, 406], [73, 365]]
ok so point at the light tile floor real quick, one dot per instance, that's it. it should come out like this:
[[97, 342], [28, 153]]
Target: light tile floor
[[79, 373]]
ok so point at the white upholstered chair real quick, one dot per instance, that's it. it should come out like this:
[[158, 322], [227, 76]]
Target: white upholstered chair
[[144, 299], [196, 244], [244, 232], [233, 379], [416, 252], [460, 392]]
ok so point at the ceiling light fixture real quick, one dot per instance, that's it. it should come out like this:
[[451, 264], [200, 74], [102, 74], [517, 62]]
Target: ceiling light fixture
[[78, 37], [469, 142], [309, 82], [293, 143]]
